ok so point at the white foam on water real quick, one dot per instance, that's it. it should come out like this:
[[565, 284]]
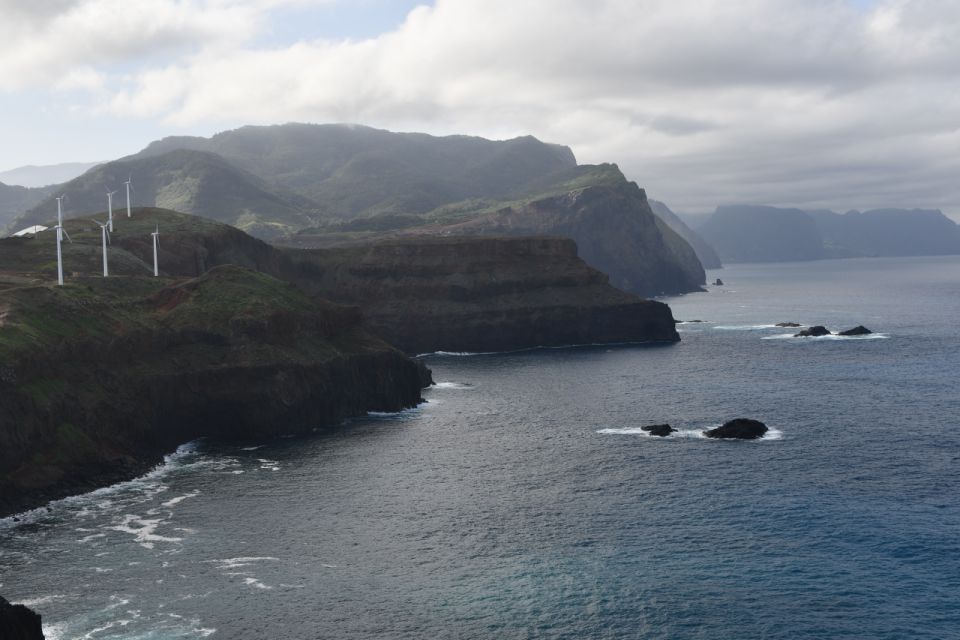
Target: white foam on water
[[175, 501], [41, 600], [830, 338], [236, 563], [144, 530], [638, 431], [771, 434], [452, 385], [747, 327], [259, 446], [253, 582]]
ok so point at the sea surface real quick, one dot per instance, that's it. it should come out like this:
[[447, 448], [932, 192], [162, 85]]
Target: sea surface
[[523, 501]]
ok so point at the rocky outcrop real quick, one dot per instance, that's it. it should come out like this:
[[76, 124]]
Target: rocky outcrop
[[787, 324], [858, 330], [101, 378], [813, 332], [428, 294], [739, 429], [660, 430], [17, 622]]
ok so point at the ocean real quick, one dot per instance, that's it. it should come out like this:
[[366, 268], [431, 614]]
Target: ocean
[[523, 501]]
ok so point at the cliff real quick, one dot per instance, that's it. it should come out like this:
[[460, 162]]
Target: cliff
[[705, 253], [460, 294], [101, 377], [609, 218]]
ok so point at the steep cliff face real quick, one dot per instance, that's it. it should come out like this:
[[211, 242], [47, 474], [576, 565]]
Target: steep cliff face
[[705, 253], [481, 294], [615, 231], [101, 377]]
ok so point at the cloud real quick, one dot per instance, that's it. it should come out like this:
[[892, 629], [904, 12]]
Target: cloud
[[822, 102]]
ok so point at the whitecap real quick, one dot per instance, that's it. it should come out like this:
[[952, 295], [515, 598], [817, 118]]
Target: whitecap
[[834, 337], [747, 327], [451, 385], [175, 501], [771, 434]]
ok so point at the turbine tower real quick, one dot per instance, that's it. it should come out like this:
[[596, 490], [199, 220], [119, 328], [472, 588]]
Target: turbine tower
[[156, 243], [105, 236], [110, 209], [129, 188], [60, 233]]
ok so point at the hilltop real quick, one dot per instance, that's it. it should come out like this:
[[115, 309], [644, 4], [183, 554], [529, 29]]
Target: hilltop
[[292, 184]]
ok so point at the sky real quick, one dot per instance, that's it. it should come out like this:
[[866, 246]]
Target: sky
[[820, 103]]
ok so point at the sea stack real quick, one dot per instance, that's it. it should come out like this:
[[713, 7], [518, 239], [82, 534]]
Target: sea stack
[[738, 429]]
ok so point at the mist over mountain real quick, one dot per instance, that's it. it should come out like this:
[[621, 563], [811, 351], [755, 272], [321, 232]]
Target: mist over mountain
[[353, 170], [190, 181], [705, 253], [14, 200], [748, 233], [888, 232], [770, 234], [44, 175], [324, 185]]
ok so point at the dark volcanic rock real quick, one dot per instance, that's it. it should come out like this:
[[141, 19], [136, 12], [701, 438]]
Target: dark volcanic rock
[[858, 330], [718, 282], [426, 294], [813, 332], [661, 430], [17, 622], [787, 324], [738, 428]]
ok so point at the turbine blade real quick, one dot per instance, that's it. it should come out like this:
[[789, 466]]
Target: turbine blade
[[65, 233]]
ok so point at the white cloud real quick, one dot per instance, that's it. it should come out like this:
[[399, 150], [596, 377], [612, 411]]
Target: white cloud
[[701, 101]]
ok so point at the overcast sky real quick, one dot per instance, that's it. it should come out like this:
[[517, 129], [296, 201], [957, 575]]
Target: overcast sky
[[834, 103]]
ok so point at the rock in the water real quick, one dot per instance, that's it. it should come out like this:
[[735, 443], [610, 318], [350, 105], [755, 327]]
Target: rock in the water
[[813, 332], [787, 324], [17, 622], [661, 430], [858, 330], [718, 282], [739, 428]]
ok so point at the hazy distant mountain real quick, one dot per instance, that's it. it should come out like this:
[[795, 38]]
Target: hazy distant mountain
[[354, 170], [708, 257], [195, 182], [14, 200], [888, 232], [747, 233], [43, 175], [769, 234]]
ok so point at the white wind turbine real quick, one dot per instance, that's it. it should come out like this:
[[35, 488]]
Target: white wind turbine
[[105, 235], [156, 244], [110, 209], [129, 184], [60, 233]]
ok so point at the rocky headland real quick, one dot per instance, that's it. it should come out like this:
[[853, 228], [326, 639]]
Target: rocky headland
[[18, 622]]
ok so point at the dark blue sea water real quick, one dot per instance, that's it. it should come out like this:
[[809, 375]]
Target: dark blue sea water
[[523, 502]]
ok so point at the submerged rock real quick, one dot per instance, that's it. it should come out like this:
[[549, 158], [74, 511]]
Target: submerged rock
[[787, 324], [858, 330], [661, 430], [813, 332], [17, 622], [738, 428]]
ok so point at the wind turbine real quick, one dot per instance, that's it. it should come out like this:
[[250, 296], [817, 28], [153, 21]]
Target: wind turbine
[[129, 188], [110, 209], [105, 235], [60, 233], [156, 243]]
